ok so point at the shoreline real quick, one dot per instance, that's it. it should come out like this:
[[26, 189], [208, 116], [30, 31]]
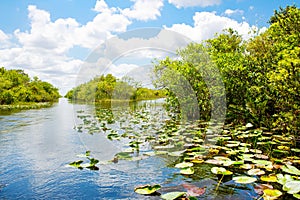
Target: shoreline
[[25, 106]]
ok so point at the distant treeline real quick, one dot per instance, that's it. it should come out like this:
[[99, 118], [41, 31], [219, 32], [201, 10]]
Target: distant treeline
[[16, 88], [109, 87]]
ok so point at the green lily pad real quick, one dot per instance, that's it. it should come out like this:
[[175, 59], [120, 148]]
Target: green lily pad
[[262, 162], [292, 187], [246, 166], [269, 178], [113, 136], [214, 162], [284, 179], [256, 151], [272, 194], [124, 156], [297, 196], [252, 172], [184, 165], [147, 189], [249, 125], [172, 195], [222, 158], [285, 148], [176, 153], [77, 164], [244, 179], [187, 171], [218, 170], [291, 170], [296, 150], [221, 170]]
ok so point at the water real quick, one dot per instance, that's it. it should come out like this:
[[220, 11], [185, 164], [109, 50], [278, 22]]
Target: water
[[37, 145]]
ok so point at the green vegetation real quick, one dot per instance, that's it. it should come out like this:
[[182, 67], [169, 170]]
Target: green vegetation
[[109, 87], [257, 151], [260, 75], [17, 91]]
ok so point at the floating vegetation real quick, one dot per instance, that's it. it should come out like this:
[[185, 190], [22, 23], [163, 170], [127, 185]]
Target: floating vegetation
[[147, 189], [245, 155]]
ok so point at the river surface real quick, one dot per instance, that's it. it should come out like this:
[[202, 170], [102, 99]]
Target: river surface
[[36, 147]]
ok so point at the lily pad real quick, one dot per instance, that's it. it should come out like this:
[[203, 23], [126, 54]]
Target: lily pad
[[259, 189], [252, 172], [172, 195], [269, 178], [187, 171], [77, 164], [214, 162], [147, 189], [292, 187], [262, 162], [113, 136], [285, 148], [284, 179], [271, 194], [197, 161], [221, 170], [291, 170], [297, 196], [246, 166], [123, 156], [244, 179], [184, 165]]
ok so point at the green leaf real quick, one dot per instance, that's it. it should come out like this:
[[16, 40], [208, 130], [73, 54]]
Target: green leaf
[[218, 170], [77, 164], [244, 179], [252, 172], [172, 195], [262, 162], [297, 196], [269, 178], [292, 187], [291, 169], [271, 194], [184, 165], [284, 179], [93, 161], [113, 136], [124, 156], [187, 171], [147, 189], [87, 153]]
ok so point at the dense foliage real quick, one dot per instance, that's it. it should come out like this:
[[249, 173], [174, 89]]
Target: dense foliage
[[109, 87], [16, 87], [260, 75]]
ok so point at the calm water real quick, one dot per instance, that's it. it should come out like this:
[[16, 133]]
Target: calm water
[[37, 145]]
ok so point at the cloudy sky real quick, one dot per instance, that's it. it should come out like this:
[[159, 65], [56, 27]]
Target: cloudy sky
[[55, 39]]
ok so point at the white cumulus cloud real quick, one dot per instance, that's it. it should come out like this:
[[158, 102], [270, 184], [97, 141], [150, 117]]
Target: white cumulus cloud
[[194, 3], [144, 10], [43, 49], [230, 12], [207, 24]]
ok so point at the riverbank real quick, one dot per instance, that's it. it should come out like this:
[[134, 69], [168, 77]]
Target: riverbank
[[25, 106]]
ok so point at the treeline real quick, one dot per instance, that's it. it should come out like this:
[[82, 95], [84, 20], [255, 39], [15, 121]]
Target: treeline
[[261, 76], [16, 87], [109, 87]]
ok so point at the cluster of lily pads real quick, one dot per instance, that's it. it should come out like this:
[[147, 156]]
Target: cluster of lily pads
[[245, 155]]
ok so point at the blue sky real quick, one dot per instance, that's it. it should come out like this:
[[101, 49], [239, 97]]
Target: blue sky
[[52, 38]]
